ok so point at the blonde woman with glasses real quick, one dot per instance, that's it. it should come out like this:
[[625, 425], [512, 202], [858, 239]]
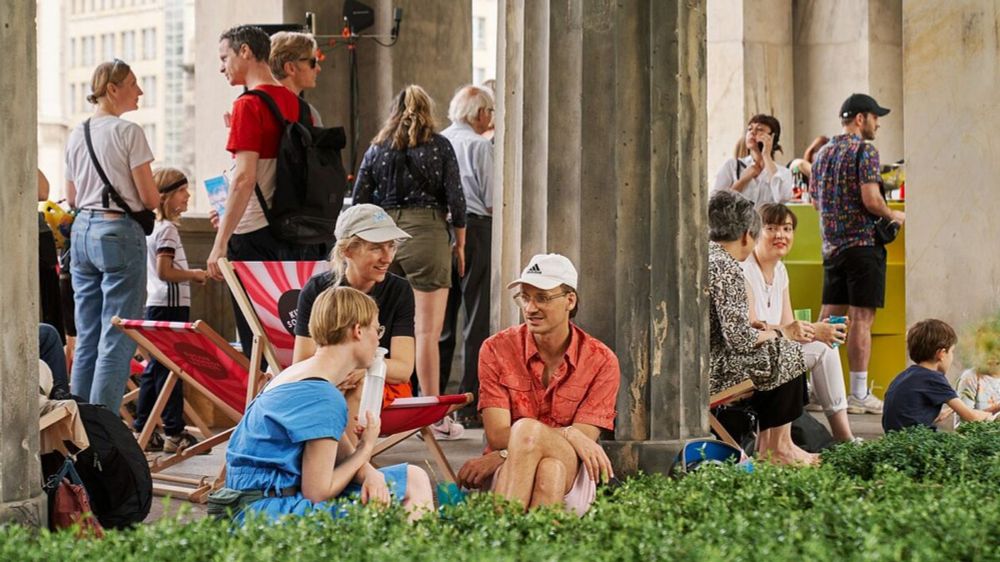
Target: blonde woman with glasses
[[108, 179]]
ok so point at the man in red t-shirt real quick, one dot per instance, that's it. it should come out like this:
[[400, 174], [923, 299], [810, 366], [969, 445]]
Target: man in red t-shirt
[[254, 135], [546, 390]]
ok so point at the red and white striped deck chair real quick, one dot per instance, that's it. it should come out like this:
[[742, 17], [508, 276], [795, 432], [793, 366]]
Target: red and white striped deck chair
[[406, 416], [267, 293], [209, 365]]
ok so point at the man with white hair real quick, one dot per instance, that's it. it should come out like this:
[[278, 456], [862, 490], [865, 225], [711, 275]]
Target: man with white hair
[[548, 389], [471, 114]]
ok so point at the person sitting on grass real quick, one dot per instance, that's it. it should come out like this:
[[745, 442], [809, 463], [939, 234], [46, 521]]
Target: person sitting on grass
[[915, 396], [546, 389], [288, 455]]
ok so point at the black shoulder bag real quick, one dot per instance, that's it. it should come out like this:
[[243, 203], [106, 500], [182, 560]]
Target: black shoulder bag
[[145, 217], [885, 230]]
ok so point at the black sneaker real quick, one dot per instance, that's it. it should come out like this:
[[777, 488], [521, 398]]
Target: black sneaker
[[181, 441], [155, 444]]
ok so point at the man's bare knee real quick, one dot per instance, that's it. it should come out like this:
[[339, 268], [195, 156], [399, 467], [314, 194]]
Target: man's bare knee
[[550, 478], [525, 436]]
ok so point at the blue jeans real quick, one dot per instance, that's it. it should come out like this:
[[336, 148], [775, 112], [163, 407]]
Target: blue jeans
[[50, 350], [109, 279]]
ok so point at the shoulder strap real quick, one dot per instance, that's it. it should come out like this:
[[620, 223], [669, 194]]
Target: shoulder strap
[[109, 190], [305, 115], [739, 168], [857, 167]]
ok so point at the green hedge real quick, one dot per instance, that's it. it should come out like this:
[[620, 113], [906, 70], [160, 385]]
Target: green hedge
[[914, 495]]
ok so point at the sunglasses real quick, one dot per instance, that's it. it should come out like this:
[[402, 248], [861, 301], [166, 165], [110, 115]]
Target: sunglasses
[[313, 61]]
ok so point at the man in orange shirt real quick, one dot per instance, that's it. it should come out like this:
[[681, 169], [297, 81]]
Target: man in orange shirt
[[546, 391]]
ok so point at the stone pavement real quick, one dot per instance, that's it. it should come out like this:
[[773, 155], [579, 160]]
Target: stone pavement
[[412, 451]]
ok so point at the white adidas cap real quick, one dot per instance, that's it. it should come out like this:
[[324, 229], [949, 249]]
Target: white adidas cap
[[547, 271]]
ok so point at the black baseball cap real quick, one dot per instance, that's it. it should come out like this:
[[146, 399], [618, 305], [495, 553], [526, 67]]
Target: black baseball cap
[[861, 103]]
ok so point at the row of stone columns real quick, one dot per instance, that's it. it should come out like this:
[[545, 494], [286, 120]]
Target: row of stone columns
[[601, 158]]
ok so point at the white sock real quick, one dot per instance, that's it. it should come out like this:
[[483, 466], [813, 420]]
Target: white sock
[[859, 384]]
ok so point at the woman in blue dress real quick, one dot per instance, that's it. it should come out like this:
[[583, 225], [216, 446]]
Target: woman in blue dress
[[288, 445]]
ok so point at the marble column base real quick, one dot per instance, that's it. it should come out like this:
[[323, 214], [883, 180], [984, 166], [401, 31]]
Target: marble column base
[[32, 512]]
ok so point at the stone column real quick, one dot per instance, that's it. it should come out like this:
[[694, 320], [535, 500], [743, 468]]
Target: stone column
[[624, 195], [21, 497], [749, 72], [841, 48], [952, 266]]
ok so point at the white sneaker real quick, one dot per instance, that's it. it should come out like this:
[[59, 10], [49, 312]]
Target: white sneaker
[[867, 405], [447, 429]]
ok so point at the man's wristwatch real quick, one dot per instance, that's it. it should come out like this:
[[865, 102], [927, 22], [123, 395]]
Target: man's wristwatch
[[502, 453]]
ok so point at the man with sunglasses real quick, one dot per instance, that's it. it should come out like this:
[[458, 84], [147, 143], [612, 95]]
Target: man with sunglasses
[[547, 389], [295, 62]]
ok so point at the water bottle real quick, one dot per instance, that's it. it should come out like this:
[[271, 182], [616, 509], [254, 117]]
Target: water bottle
[[371, 394]]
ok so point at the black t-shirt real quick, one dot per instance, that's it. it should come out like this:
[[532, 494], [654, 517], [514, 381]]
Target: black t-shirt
[[393, 297], [915, 397]]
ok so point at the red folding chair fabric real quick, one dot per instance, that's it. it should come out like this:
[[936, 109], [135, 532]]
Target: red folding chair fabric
[[221, 370], [273, 289], [408, 414]]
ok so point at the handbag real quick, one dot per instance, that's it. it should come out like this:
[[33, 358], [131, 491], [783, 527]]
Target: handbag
[[69, 504], [145, 217]]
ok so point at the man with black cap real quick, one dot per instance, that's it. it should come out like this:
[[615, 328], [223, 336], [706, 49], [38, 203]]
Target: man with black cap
[[845, 189]]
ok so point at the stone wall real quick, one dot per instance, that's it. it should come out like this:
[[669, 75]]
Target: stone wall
[[951, 76]]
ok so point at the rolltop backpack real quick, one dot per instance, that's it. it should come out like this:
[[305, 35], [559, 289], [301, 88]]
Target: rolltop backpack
[[310, 182]]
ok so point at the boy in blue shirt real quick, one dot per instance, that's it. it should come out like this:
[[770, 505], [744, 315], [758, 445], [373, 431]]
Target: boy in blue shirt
[[916, 395]]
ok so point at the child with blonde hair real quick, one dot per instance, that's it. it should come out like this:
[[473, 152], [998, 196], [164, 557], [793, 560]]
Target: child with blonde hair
[[168, 298], [979, 386]]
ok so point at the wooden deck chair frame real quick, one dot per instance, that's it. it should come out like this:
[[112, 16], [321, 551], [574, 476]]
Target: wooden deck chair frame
[[246, 307], [724, 397], [192, 489], [190, 414], [433, 447]]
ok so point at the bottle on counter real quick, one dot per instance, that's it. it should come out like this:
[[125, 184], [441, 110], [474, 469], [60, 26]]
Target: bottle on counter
[[371, 394]]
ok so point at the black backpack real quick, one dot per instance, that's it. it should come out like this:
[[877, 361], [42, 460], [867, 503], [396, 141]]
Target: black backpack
[[310, 182], [113, 469]]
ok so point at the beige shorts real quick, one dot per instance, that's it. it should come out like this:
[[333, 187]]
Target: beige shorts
[[580, 495], [425, 259]]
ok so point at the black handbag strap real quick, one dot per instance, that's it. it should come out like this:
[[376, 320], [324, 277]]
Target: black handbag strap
[[109, 190]]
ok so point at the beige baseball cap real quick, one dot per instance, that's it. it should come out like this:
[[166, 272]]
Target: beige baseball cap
[[547, 271], [368, 222]]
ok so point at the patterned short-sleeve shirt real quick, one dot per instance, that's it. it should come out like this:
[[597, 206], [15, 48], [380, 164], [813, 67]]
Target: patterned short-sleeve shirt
[[838, 173]]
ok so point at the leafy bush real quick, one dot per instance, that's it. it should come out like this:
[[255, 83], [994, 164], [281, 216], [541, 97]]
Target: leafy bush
[[914, 495]]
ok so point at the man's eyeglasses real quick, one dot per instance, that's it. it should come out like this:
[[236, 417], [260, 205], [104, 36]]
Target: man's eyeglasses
[[313, 61], [522, 299], [380, 331]]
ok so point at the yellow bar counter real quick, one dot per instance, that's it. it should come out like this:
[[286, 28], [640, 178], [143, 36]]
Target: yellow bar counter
[[805, 272]]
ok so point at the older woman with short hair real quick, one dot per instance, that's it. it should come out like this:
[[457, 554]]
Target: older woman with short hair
[[740, 349]]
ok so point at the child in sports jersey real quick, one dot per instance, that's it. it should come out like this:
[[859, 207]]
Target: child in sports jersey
[[168, 298]]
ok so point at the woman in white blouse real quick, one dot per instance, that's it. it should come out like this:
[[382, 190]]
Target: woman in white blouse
[[771, 303], [756, 176]]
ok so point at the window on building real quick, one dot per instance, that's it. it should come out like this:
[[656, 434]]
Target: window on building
[[478, 75], [479, 33], [81, 103], [148, 91], [72, 52], [87, 57], [71, 100], [128, 46], [107, 46], [149, 43]]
